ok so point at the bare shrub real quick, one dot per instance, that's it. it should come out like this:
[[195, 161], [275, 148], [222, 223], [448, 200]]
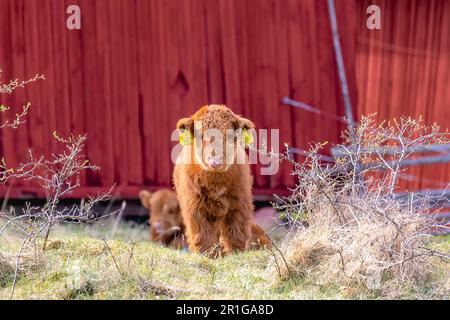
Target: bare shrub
[[348, 226], [58, 176]]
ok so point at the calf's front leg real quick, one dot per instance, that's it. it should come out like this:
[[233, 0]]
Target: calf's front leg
[[201, 235], [234, 232]]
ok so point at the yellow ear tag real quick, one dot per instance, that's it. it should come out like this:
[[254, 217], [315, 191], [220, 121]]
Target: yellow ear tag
[[248, 138], [185, 138]]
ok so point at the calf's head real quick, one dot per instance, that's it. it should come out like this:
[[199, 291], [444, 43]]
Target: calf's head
[[165, 215], [218, 136]]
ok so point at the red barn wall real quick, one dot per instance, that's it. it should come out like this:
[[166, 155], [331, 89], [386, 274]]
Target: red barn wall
[[136, 67], [404, 70]]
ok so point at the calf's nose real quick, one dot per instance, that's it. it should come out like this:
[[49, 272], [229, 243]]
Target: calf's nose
[[213, 162]]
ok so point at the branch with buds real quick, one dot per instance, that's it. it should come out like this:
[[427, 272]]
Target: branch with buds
[[9, 88]]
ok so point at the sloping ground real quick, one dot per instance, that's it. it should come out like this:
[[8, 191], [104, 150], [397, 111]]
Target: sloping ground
[[79, 265]]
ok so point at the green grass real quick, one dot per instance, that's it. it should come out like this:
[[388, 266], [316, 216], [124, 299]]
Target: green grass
[[442, 243], [80, 266]]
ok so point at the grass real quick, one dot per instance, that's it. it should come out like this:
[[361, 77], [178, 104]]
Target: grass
[[80, 266]]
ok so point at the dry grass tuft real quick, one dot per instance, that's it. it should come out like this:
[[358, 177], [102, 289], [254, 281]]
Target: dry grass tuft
[[348, 226], [365, 251]]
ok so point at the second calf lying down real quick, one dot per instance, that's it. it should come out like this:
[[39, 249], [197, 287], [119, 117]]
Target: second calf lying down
[[166, 224]]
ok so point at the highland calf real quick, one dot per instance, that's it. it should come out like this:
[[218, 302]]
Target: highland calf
[[215, 190], [166, 223]]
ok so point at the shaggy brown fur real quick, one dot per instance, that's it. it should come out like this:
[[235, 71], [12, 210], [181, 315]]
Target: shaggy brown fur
[[166, 223], [216, 201]]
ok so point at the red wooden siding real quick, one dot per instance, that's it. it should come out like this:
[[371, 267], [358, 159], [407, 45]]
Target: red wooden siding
[[136, 67], [404, 69]]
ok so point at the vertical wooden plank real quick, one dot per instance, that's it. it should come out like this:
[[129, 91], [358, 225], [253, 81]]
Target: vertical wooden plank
[[282, 87], [16, 137], [132, 99], [118, 104], [92, 116], [36, 135], [146, 66], [229, 52], [4, 57], [6, 64], [103, 101], [438, 57], [75, 76], [171, 84], [60, 96], [214, 61], [254, 68], [47, 67]]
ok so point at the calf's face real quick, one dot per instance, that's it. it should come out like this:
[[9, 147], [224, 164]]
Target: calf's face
[[217, 136], [165, 215]]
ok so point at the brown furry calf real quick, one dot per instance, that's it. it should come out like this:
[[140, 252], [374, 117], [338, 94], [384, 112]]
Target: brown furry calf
[[215, 193], [166, 223]]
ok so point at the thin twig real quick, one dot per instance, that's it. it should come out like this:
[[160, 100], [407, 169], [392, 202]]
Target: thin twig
[[112, 256]]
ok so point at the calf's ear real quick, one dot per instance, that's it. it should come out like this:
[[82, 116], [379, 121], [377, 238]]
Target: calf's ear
[[185, 124], [145, 196], [244, 123]]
